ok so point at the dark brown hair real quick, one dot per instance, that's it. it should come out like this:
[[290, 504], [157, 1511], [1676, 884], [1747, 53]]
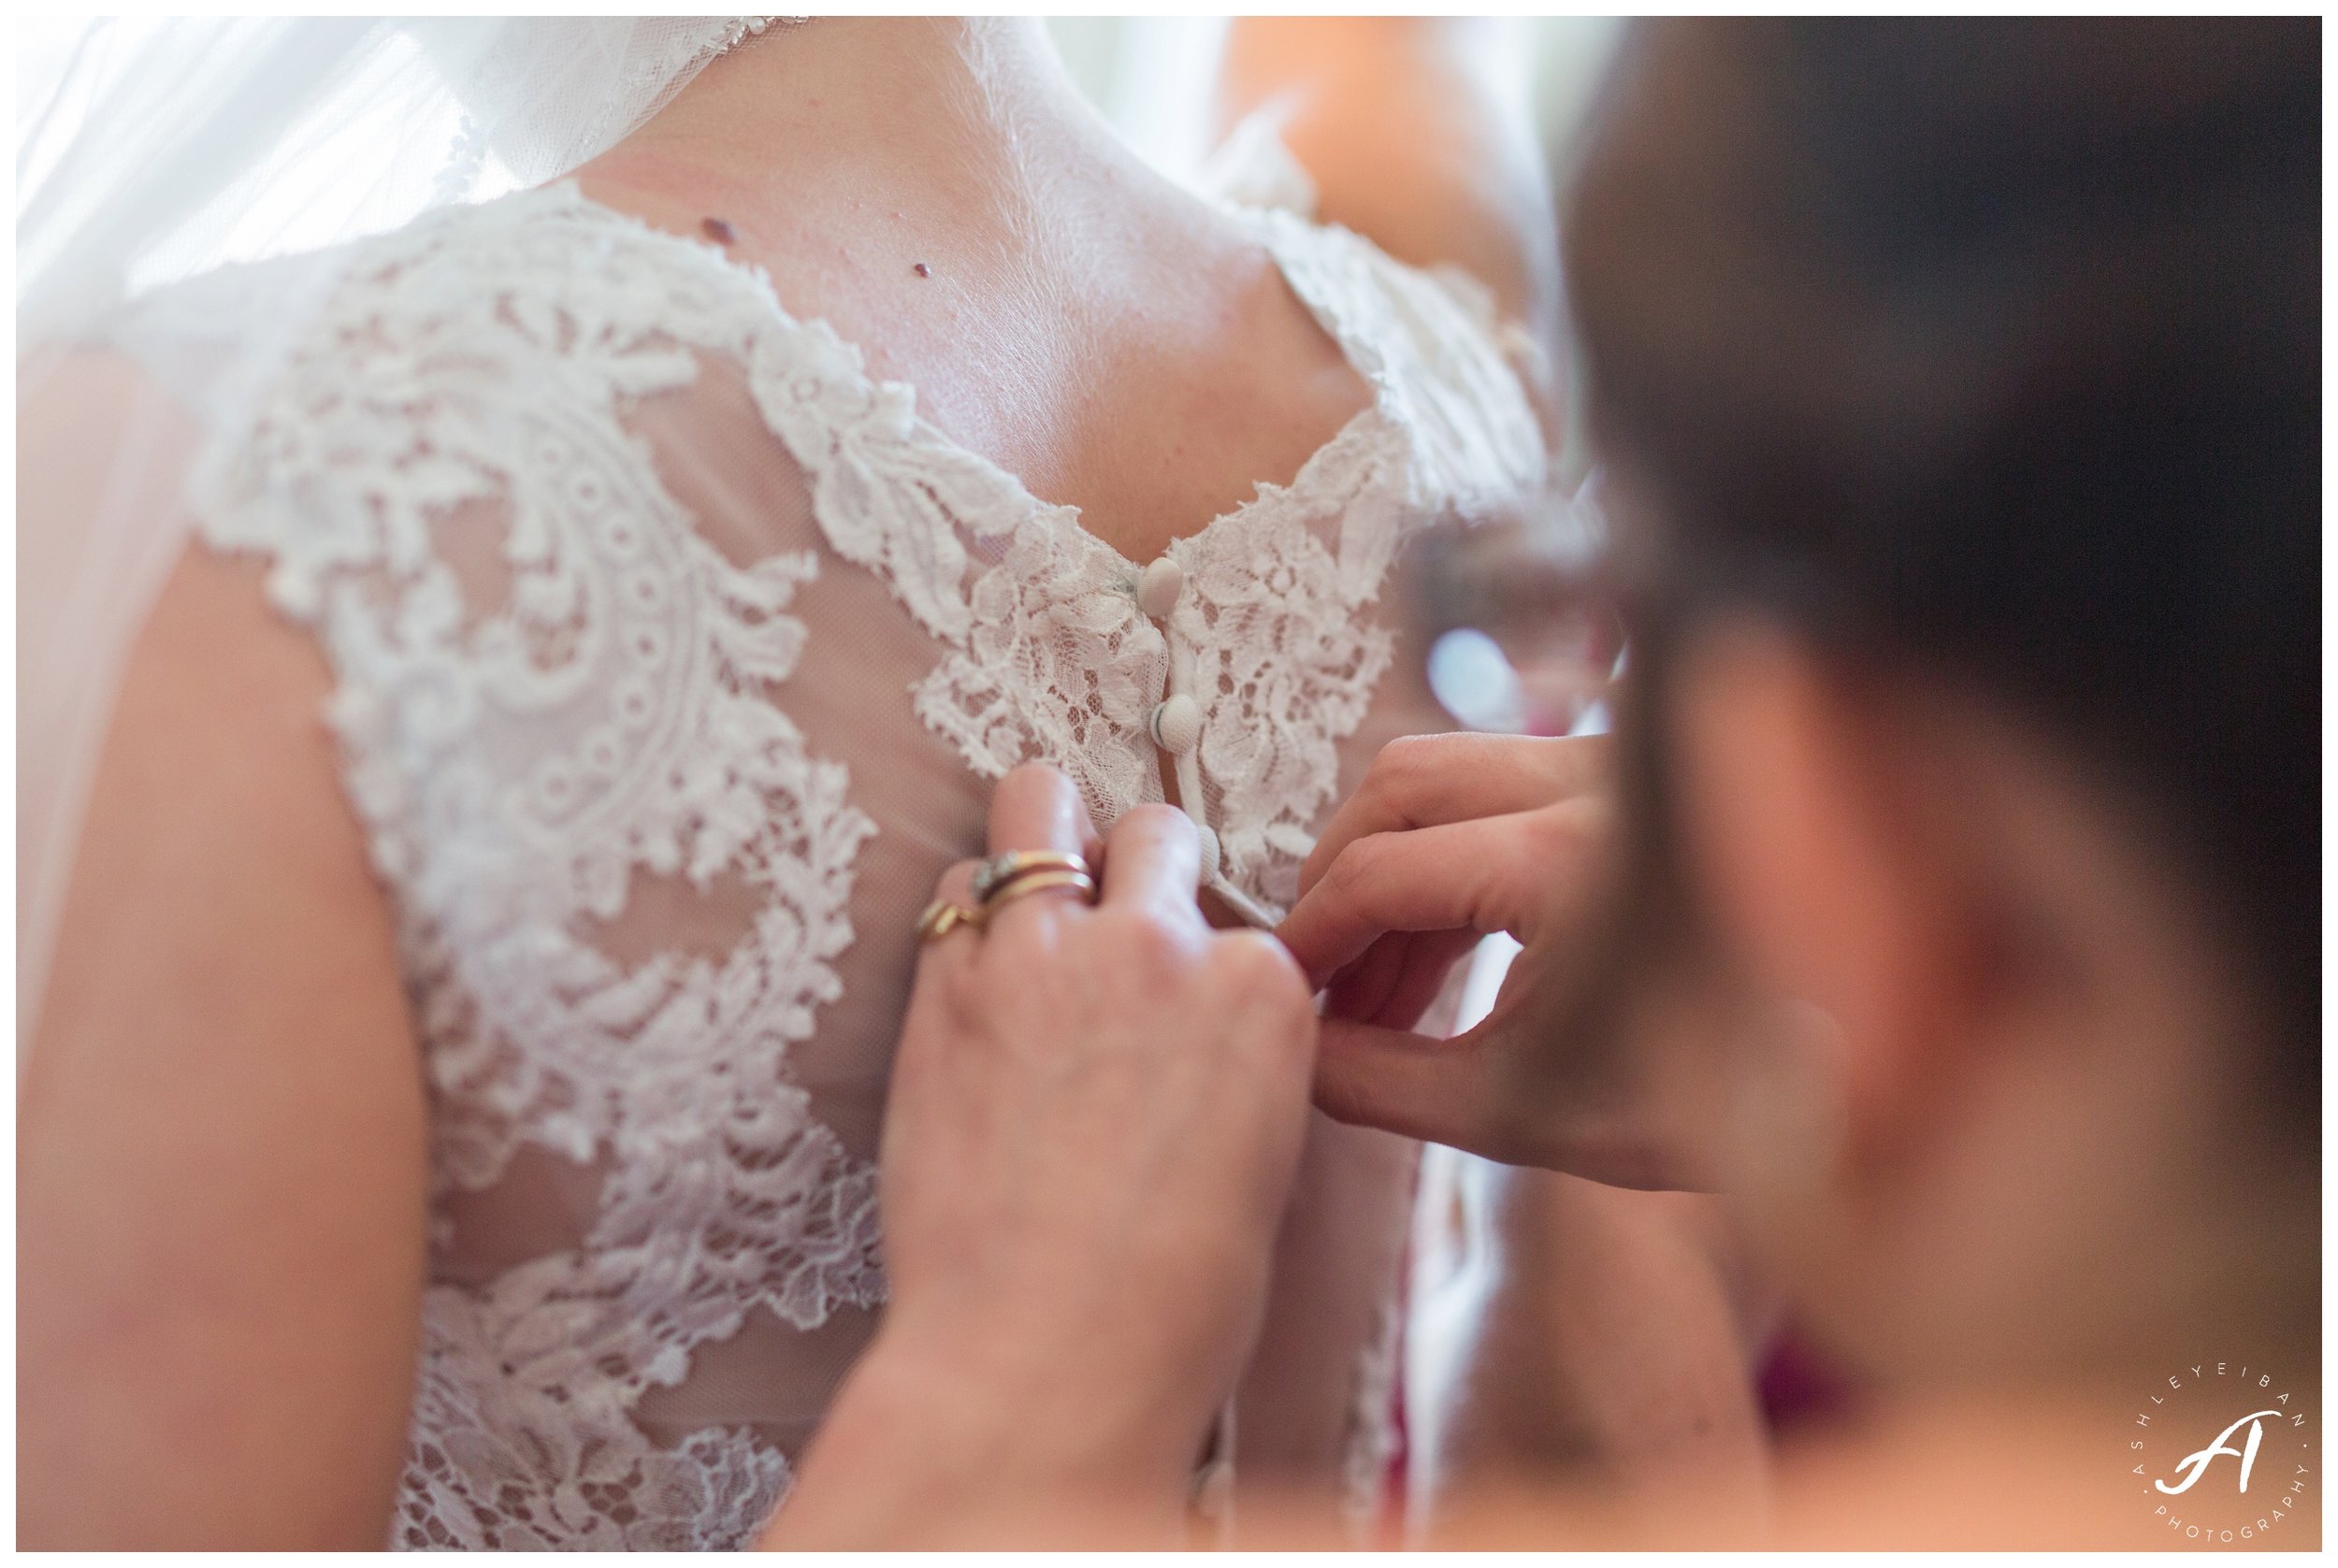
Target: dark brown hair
[[1992, 346]]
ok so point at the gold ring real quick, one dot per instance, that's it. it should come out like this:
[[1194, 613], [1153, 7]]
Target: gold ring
[[1011, 865], [941, 917], [1040, 881]]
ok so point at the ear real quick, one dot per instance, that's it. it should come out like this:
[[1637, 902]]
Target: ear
[[1812, 865]]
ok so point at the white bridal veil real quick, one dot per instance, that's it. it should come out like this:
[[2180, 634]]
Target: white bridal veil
[[152, 151]]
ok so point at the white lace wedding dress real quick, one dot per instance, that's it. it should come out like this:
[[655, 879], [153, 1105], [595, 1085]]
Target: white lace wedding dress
[[674, 656]]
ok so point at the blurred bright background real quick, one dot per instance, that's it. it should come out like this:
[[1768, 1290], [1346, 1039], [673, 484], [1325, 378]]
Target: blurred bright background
[[1151, 75]]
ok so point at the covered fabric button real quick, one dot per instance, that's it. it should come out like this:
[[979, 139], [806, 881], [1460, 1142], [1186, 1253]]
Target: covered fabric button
[[1176, 724], [1157, 590]]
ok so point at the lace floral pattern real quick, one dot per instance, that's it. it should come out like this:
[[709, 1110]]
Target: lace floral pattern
[[1050, 658], [519, 763], [1286, 665], [551, 688]]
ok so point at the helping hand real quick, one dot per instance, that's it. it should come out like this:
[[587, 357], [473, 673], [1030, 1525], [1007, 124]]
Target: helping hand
[[1451, 838], [1095, 1118]]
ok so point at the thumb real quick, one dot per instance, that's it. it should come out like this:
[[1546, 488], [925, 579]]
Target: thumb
[[1438, 1090], [1457, 1092]]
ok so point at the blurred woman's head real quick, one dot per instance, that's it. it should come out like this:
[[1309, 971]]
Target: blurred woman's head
[[1958, 390]]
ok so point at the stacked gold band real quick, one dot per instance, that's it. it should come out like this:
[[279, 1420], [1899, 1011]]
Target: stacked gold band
[[996, 874], [1039, 882], [1004, 878]]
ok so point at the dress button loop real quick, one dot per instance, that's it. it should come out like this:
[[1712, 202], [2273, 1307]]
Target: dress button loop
[[1157, 589], [1176, 724]]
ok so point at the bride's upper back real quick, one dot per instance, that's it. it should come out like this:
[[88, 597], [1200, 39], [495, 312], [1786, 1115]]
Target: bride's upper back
[[936, 192]]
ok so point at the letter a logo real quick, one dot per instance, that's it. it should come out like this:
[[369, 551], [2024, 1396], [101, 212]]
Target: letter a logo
[[2197, 1463]]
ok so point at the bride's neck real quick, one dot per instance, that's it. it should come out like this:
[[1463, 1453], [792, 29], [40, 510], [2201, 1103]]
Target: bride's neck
[[978, 107]]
